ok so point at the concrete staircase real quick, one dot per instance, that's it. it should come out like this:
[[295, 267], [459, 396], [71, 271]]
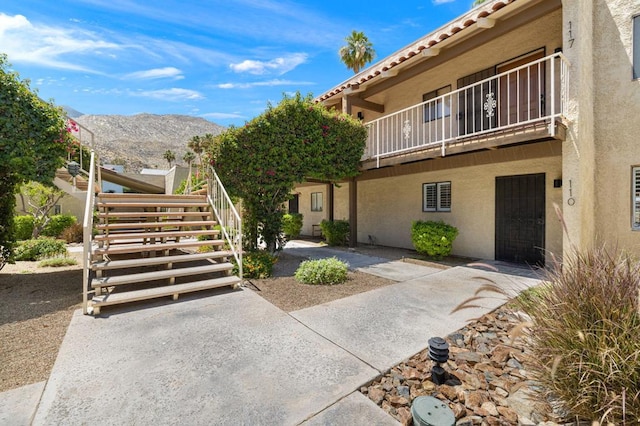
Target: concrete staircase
[[147, 247]]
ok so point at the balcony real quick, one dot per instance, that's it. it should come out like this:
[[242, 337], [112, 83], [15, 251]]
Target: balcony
[[524, 103]]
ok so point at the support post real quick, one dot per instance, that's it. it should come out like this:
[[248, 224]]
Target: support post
[[353, 213], [330, 200]]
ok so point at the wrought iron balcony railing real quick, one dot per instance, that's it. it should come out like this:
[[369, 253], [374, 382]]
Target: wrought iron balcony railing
[[527, 94]]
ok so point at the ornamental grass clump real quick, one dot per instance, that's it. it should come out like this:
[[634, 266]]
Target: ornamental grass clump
[[586, 336], [322, 271]]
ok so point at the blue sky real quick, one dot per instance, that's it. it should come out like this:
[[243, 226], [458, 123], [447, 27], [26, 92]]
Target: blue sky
[[220, 60]]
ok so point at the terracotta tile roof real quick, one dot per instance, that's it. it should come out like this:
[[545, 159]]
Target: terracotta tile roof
[[428, 41]]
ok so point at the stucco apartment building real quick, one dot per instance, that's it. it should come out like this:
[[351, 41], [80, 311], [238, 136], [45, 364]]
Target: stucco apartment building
[[490, 122]]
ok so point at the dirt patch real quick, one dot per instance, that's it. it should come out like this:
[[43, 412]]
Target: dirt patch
[[36, 305], [289, 295]]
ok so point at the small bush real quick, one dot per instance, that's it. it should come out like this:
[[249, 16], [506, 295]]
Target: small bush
[[335, 232], [57, 224], [292, 225], [40, 248], [23, 227], [322, 271], [257, 264], [57, 262], [73, 233], [433, 238], [4, 257], [586, 336]]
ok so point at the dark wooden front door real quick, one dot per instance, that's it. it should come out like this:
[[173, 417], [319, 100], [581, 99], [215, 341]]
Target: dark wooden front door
[[294, 204], [520, 218]]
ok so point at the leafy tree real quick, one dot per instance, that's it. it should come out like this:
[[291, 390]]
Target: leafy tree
[[169, 156], [477, 3], [33, 142], [287, 144], [358, 51], [38, 200]]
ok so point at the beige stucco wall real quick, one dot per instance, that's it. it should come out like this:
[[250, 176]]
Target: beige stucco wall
[[388, 206], [617, 122], [304, 207]]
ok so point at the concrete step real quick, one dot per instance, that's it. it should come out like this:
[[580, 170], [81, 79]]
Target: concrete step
[[160, 260], [160, 275], [172, 290]]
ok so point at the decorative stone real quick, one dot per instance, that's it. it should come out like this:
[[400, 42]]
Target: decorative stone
[[404, 391], [449, 392], [405, 417], [397, 400], [508, 414], [376, 395], [488, 409]]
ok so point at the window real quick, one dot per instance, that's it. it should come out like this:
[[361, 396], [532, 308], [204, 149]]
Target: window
[[635, 200], [316, 201], [636, 47], [437, 108], [436, 197]]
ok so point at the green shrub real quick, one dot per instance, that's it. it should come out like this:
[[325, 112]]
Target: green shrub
[[335, 232], [23, 227], [322, 271], [57, 224], [256, 264], [433, 238], [292, 225], [586, 336], [40, 248], [56, 262], [73, 233]]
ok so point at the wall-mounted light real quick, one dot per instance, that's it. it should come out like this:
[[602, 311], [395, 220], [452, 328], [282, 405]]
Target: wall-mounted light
[[360, 115]]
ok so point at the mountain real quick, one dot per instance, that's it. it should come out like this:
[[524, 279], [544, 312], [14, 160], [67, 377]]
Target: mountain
[[139, 141], [71, 113]]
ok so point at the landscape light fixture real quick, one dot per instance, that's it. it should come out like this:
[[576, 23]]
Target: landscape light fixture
[[73, 168], [439, 353]]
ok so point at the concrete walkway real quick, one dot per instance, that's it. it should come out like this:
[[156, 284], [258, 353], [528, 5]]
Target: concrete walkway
[[233, 358]]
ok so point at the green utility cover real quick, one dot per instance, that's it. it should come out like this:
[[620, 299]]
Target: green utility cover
[[429, 411]]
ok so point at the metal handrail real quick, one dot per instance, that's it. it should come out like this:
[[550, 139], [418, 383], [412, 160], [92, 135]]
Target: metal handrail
[[435, 122], [87, 228], [226, 215]]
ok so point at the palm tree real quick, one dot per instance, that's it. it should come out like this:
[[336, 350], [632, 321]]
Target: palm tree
[[169, 156], [358, 51], [196, 144], [188, 158]]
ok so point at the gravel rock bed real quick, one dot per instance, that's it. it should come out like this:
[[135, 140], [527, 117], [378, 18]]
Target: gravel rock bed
[[488, 379]]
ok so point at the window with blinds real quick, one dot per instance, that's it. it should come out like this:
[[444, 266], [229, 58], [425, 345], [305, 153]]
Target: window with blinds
[[635, 202], [436, 197]]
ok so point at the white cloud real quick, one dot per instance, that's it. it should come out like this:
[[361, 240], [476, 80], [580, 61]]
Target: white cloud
[[437, 2], [167, 72], [25, 42], [173, 94], [277, 66], [222, 115], [270, 83]]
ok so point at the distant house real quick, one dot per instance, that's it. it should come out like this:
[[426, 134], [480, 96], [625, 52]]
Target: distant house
[[491, 121]]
